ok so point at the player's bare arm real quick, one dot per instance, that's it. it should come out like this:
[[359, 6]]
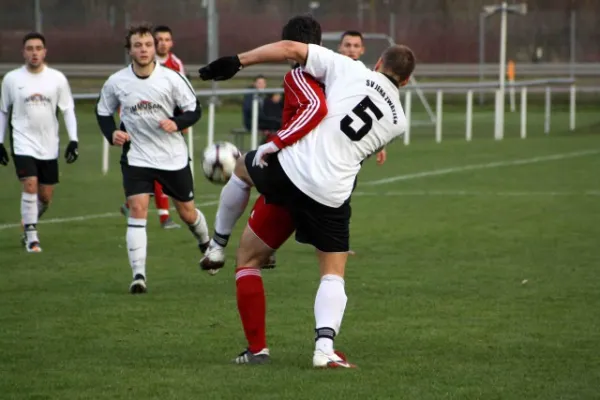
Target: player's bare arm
[[276, 52], [226, 67]]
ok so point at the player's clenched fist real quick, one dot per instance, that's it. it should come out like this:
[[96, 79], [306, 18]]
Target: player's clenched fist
[[119, 138], [221, 69], [168, 125]]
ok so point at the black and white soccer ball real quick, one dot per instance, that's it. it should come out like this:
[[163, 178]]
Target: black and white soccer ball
[[218, 161]]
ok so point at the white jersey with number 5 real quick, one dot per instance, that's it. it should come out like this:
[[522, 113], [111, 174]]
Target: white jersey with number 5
[[364, 115], [32, 99]]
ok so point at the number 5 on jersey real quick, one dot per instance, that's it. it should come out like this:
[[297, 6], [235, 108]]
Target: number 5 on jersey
[[361, 112]]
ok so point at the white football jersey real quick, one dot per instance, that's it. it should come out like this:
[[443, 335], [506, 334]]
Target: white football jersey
[[32, 100], [364, 114], [361, 63], [144, 102]]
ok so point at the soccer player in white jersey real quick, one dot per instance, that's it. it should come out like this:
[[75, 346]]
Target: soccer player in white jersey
[[314, 178], [29, 101], [153, 147], [164, 44], [352, 45]]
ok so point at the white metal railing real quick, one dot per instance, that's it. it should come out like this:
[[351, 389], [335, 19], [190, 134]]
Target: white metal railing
[[444, 71], [467, 88]]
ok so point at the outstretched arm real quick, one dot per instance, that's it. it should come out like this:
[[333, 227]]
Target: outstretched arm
[[275, 52], [226, 67], [320, 62]]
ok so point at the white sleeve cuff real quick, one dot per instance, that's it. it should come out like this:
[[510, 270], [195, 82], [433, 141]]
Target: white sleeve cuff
[[71, 123]]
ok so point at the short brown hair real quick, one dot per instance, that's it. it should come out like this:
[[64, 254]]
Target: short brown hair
[[34, 35], [162, 29], [140, 29], [399, 60], [352, 34]]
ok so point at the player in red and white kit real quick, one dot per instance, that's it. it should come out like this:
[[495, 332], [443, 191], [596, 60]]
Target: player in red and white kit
[[164, 43], [304, 107]]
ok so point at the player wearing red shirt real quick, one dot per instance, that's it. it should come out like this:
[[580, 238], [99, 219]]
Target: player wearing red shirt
[[304, 107], [164, 43]]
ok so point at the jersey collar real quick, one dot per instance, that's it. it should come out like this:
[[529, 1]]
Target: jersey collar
[[156, 65], [394, 81]]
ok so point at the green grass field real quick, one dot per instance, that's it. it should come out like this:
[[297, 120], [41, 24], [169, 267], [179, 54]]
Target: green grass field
[[475, 277]]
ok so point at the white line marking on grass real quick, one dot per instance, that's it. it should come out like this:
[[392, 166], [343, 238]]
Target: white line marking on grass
[[472, 167], [417, 175], [460, 193], [408, 193], [88, 217]]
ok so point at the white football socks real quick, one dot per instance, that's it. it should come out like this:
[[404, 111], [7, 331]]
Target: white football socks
[[200, 228], [330, 304], [137, 244], [232, 203], [29, 215]]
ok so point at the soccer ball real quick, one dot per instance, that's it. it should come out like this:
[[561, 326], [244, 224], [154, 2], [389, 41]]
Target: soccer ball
[[218, 161]]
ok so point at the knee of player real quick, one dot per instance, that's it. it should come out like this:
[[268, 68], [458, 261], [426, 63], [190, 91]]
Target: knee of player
[[187, 211], [30, 185], [189, 216], [250, 258], [332, 263], [137, 209]]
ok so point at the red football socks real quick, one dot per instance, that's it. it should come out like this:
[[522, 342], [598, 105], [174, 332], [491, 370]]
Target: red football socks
[[162, 202], [252, 306]]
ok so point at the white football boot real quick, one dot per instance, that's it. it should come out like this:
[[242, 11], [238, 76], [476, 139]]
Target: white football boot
[[214, 258], [33, 247], [336, 359]]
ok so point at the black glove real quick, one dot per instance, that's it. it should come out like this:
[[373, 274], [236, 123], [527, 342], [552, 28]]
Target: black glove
[[72, 152], [221, 69], [3, 155]]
